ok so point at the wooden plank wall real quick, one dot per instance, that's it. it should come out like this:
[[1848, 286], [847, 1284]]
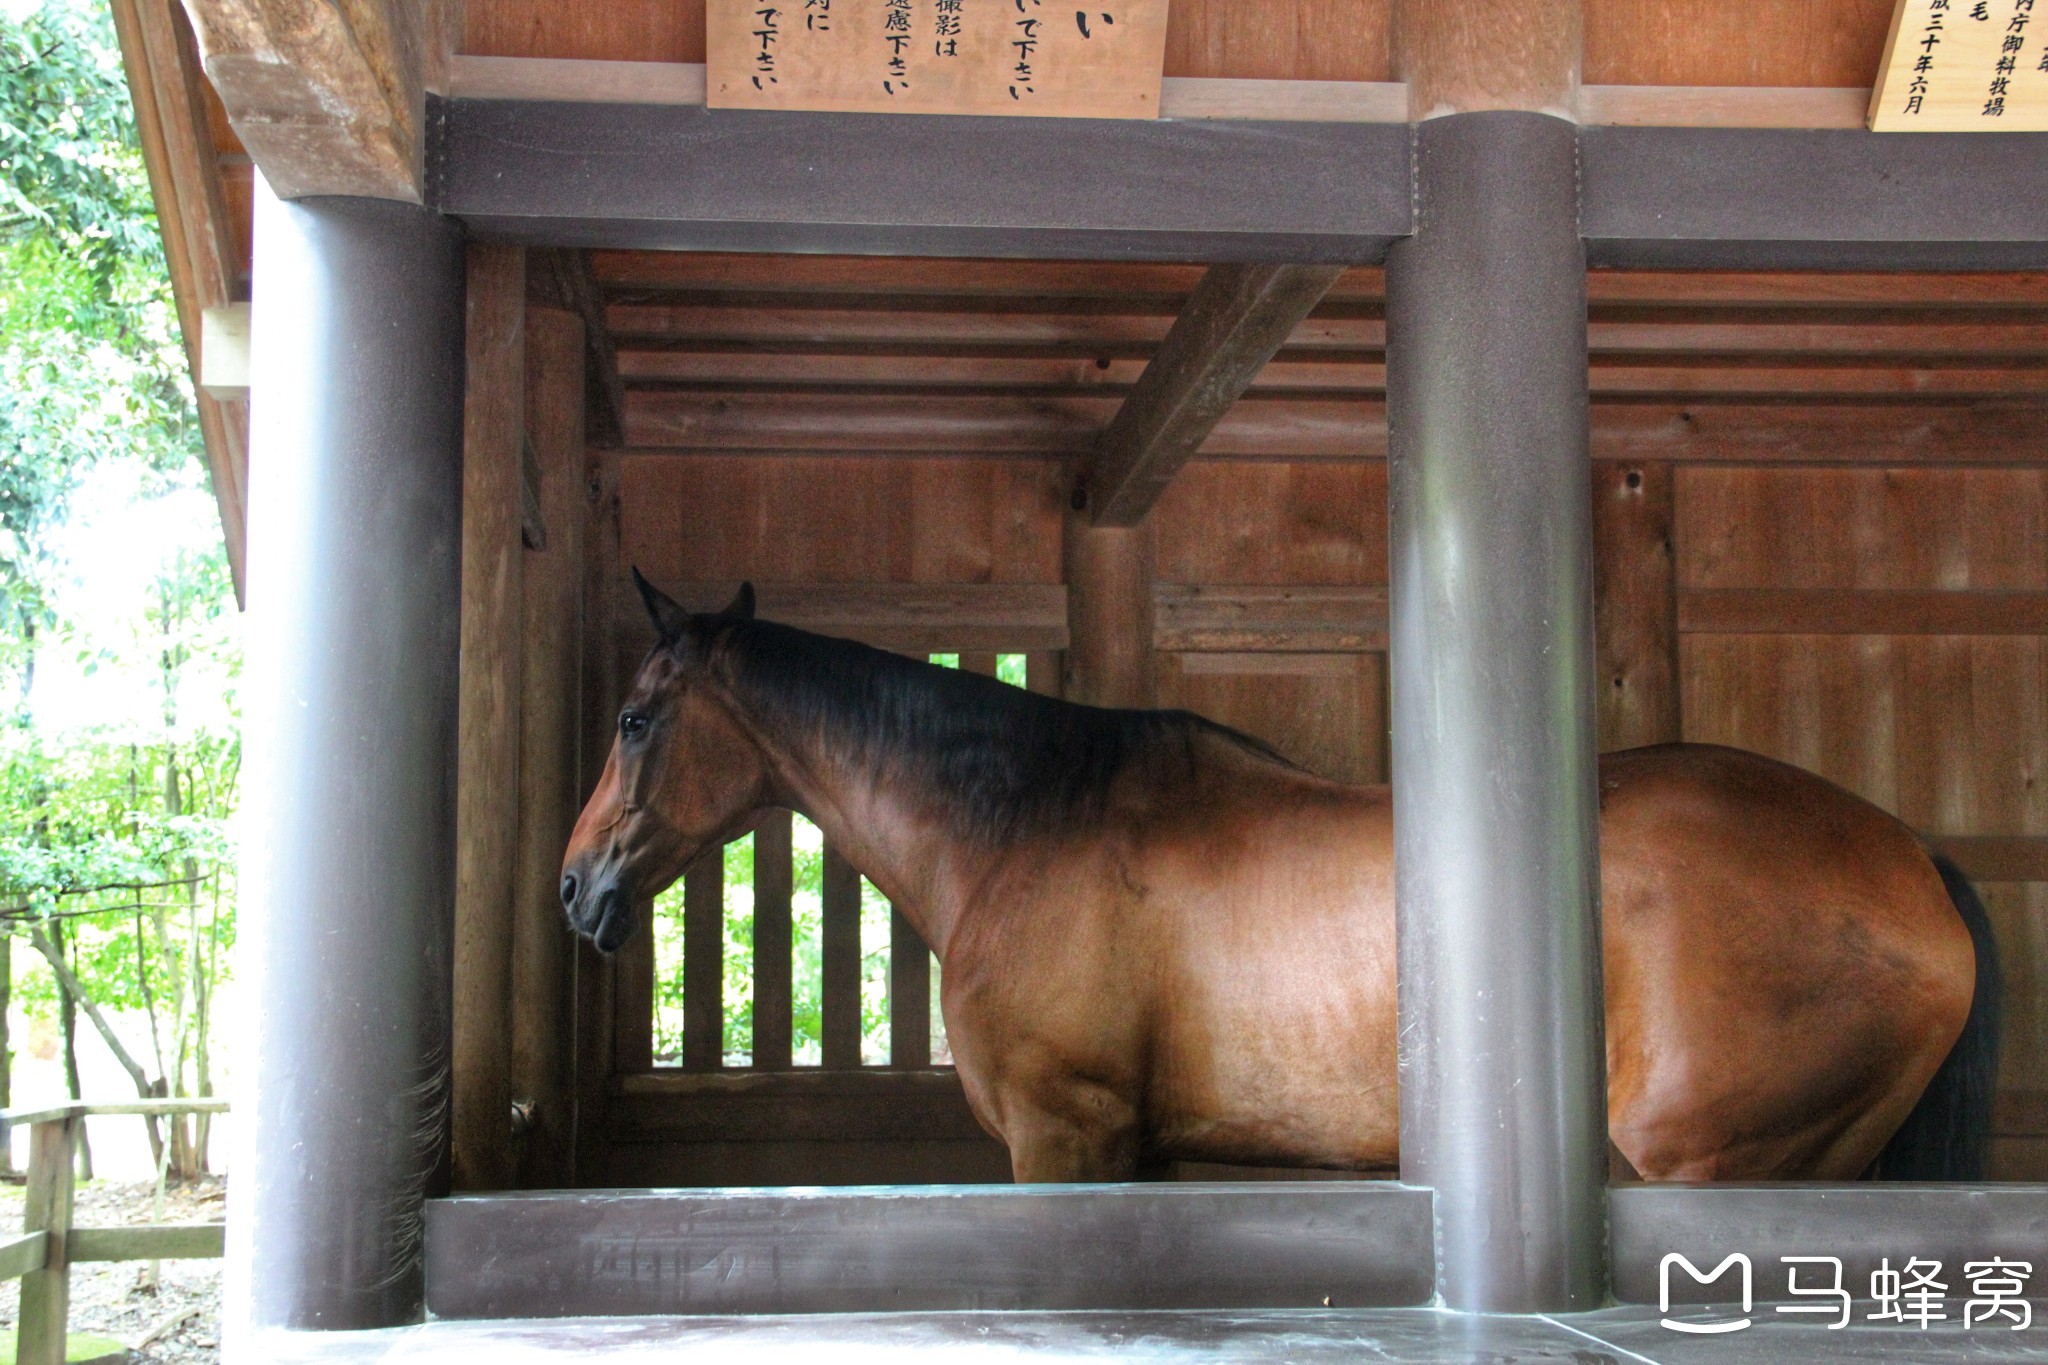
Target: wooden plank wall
[[1678, 42], [1269, 525]]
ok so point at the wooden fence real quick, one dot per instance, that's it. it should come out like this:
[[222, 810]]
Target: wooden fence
[[42, 1256]]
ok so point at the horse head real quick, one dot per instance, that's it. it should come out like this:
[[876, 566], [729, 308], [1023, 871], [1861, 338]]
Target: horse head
[[683, 776]]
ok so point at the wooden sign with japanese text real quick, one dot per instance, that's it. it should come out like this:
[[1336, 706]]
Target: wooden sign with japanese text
[[1053, 58], [1964, 66]]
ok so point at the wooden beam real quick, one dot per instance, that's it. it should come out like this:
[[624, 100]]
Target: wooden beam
[[1295, 428], [150, 1242], [1239, 316], [1109, 613], [1996, 857], [46, 1208], [810, 1105], [595, 975], [1857, 611], [1635, 604], [561, 275], [488, 724], [914, 618], [550, 720], [23, 1253], [330, 98], [1263, 619], [162, 65], [1186, 97]]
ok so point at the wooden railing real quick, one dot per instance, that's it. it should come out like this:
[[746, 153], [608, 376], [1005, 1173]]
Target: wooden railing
[[42, 1256]]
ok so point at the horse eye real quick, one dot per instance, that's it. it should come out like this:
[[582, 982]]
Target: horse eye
[[632, 723]]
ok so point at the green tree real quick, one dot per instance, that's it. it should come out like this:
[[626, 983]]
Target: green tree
[[112, 843]]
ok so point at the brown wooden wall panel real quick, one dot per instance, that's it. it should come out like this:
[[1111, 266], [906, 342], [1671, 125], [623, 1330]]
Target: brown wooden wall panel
[[597, 30], [1326, 712], [1950, 733], [1864, 528], [1274, 523], [841, 521], [2019, 914], [1308, 40], [1735, 42]]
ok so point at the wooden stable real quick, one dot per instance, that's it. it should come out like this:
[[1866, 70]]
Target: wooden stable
[[1819, 504]]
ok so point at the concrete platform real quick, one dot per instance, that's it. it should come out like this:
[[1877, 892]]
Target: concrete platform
[[1617, 1336]]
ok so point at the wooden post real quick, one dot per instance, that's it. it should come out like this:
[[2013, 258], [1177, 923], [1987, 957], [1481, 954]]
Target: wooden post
[[1635, 604], [487, 771], [593, 972], [704, 963], [910, 995], [841, 953], [551, 661], [46, 1293], [1466, 57], [1496, 843], [1109, 613], [773, 890]]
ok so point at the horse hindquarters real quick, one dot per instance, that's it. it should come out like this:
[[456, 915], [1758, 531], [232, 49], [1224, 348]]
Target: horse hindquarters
[[1785, 972], [1946, 1135]]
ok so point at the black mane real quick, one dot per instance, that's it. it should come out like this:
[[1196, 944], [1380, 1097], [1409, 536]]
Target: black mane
[[1008, 763]]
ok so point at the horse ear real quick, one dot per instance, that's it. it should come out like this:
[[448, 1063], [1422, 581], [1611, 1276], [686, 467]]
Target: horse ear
[[742, 603], [670, 620]]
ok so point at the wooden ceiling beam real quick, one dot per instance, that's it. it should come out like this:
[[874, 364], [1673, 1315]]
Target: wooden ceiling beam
[[330, 99], [1236, 319], [781, 424]]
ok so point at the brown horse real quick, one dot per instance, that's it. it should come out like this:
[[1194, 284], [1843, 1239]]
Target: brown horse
[[1161, 940]]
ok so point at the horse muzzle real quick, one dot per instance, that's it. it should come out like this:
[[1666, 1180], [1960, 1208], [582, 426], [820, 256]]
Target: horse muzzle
[[604, 914]]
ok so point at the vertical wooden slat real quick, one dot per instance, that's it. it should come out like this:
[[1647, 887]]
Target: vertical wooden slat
[[593, 972], [982, 663], [487, 773], [910, 995], [1042, 672], [633, 1000], [773, 887], [46, 1293], [1635, 598], [704, 963], [841, 953], [551, 616]]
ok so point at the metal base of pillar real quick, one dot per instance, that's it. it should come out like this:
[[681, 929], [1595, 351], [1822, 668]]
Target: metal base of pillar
[[1346, 1244], [1394, 1336]]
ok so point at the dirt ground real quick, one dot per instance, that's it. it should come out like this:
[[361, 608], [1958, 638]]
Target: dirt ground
[[112, 1299]]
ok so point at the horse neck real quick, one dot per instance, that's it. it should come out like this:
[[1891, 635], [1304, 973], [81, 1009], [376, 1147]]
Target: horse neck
[[872, 818]]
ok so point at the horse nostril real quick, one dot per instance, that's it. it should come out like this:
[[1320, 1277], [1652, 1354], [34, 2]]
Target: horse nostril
[[569, 891]]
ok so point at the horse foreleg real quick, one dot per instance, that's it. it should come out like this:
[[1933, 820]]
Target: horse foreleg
[[1072, 1130]]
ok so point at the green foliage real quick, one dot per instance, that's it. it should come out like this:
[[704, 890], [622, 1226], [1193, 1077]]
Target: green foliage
[[118, 831], [807, 986], [90, 365]]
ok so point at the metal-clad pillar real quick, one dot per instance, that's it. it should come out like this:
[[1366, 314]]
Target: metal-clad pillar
[[1503, 1073], [348, 812]]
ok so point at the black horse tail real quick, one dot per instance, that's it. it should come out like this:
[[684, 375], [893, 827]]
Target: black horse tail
[[1949, 1130]]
